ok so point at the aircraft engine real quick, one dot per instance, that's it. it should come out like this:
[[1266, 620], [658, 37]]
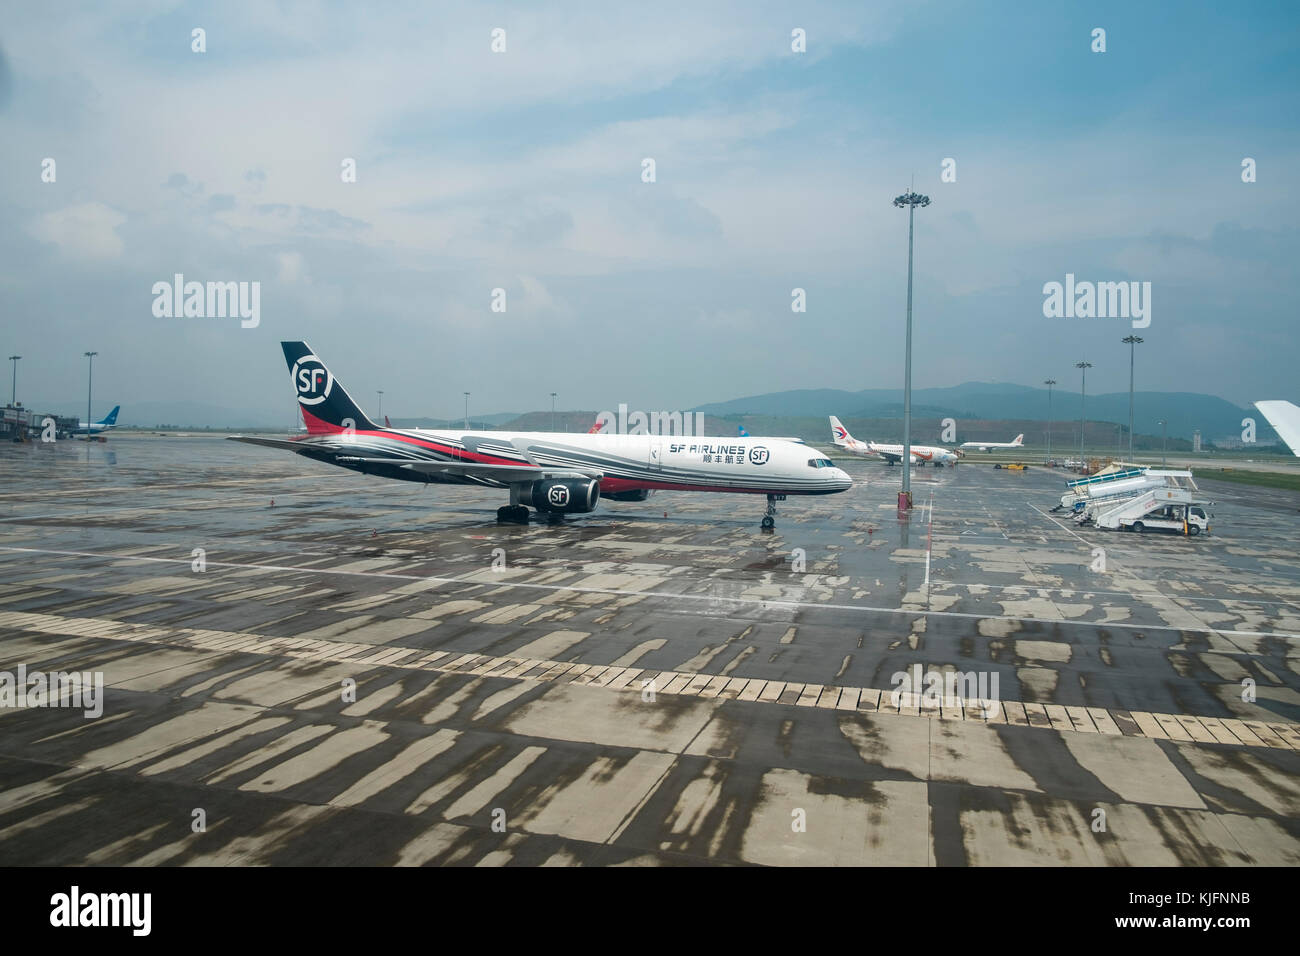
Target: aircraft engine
[[562, 496]]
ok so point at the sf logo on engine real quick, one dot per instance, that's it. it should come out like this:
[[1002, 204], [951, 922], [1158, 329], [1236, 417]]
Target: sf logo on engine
[[759, 455], [312, 380], [558, 495]]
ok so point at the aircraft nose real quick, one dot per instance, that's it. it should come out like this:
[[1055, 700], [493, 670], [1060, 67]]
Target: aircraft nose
[[842, 480]]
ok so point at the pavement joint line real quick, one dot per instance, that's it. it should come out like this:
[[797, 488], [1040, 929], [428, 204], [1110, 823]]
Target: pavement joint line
[[1058, 717], [762, 603], [1184, 729]]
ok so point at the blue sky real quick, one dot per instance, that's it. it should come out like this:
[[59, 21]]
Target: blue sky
[[522, 171]]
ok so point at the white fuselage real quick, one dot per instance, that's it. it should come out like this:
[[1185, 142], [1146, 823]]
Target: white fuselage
[[624, 462], [920, 453], [986, 445], [95, 428]]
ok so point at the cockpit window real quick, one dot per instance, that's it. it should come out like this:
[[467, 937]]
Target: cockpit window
[[820, 463]]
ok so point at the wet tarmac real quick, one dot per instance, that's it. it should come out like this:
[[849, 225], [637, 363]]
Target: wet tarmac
[[377, 672]]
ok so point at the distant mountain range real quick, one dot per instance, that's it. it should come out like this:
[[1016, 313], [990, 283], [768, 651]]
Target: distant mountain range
[[982, 410], [983, 402]]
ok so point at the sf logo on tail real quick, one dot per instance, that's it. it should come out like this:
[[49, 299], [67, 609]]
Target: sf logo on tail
[[312, 380]]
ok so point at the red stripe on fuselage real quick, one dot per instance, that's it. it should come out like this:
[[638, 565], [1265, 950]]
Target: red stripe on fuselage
[[317, 426]]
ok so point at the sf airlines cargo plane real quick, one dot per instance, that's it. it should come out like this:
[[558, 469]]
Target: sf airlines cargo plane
[[891, 453], [1017, 442], [555, 473]]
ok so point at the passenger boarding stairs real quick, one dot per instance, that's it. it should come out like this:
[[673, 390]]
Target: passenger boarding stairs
[[1086, 502], [1135, 508]]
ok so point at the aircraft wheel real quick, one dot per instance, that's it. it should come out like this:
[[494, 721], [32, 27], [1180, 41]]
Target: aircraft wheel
[[768, 523]]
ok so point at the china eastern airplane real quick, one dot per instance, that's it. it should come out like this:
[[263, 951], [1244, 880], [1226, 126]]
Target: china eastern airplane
[[107, 423], [557, 473], [891, 453], [1017, 442]]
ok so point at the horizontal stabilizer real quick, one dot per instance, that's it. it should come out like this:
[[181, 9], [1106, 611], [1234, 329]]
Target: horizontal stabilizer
[[275, 443]]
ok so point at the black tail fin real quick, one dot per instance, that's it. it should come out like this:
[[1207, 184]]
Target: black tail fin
[[326, 406]]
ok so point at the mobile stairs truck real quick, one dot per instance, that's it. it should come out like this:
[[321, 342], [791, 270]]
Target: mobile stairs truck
[[1089, 496], [1172, 508]]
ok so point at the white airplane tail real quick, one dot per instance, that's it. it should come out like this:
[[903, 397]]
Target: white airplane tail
[[1018, 440], [1285, 419], [839, 434]]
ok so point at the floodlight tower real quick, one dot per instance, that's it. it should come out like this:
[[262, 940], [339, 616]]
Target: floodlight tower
[[909, 200], [1083, 397], [1049, 383], [1132, 341], [90, 381], [13, 396]]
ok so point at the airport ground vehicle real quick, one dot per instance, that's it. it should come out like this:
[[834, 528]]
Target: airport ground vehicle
[[1158, 509], [1119, 483], [555, 473]]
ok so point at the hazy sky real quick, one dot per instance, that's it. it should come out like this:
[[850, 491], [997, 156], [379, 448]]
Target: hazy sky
[[522, 170]]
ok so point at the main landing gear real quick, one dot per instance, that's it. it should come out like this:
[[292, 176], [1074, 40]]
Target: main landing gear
[[513, 513], [769, 519]]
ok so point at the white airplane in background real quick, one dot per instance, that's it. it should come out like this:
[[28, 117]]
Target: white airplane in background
[[1285, 419], [1017, 442], [891, 453], [107, 423]]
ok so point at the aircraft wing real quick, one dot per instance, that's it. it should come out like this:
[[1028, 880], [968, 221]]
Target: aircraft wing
[[1285, 419], [506, 474]]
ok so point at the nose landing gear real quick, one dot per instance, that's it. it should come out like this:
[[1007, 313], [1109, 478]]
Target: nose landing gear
[[769, 519]]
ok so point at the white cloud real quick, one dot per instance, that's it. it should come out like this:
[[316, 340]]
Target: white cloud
[[86, 231], [293, 267]]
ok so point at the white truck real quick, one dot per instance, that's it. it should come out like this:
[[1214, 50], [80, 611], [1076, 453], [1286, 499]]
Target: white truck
[[1160, 509]]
